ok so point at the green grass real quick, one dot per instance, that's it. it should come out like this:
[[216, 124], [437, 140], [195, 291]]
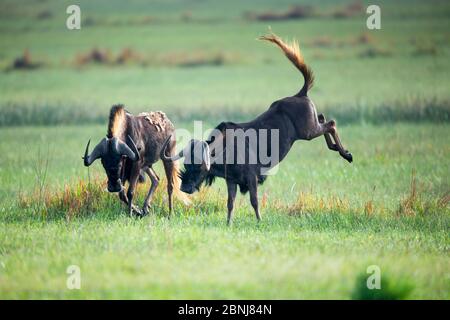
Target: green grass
[[312, 256], [296, 252], [324, 220]]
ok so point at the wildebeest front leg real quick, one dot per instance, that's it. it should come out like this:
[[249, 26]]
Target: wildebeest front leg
[[155, 181], [130, 194], [232, 188], [123, 197], [253, 188]]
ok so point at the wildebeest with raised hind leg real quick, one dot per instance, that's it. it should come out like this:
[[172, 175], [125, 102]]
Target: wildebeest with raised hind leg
[[131, 147], [292, 118]]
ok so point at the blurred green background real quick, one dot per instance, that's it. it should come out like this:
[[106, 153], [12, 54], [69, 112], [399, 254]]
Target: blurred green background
[[388, 90]]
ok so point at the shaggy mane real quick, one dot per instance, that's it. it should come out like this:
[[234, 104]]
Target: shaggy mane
[[117, 121]]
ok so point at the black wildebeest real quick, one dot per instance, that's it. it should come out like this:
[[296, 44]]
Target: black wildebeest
[[132, 145], [294, 118]]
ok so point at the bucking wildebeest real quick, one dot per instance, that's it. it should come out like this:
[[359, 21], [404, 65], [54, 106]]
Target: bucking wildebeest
[[132, 145], [291, 119]]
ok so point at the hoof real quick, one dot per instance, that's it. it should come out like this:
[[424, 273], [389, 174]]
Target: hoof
[[347, 156], [141, 215], [138, 213], [145, 211]]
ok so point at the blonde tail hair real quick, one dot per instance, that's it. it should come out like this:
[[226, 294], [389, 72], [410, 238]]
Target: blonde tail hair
[[293, 53], [177, 184]]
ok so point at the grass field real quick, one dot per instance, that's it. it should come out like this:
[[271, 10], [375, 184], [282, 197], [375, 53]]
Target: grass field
[[324, 220]]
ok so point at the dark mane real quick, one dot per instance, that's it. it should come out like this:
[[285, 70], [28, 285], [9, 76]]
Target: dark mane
[[210, 179]]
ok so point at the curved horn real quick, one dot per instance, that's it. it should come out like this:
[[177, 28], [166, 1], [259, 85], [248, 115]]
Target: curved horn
[[206, 155], [124, 150], [98, 152], [163, 152], [134, 148]]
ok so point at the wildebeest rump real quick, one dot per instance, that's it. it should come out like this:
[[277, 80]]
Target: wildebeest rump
[[132, 145], [294, 117]]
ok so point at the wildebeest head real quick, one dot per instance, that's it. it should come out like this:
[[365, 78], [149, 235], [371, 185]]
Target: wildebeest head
[[197, 163], [112, 152]]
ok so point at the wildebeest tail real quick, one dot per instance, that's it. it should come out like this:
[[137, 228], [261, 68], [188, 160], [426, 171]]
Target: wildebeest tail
[[293, 53], [177, 184]]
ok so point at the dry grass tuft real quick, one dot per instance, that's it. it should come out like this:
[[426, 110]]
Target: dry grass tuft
[[425, 50], [44, 15], [411, 202], [128, 56], [444, 200], [322, 41], [264, 200], [375, 52], [308, 203], [369, 207], [352, 9], [293, 13], [195, 59], [364, 38], [84, 199], [206, 201], [96, 56], [25, 62], [416, 202], [326, 42], [73, 200]]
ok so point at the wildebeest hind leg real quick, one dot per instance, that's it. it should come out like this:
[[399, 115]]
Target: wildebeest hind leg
[[331, 129], [330, 144], [154, 184], [169, 168]]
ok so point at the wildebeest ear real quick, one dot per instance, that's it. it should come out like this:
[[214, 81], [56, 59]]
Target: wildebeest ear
[[206, 155]]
